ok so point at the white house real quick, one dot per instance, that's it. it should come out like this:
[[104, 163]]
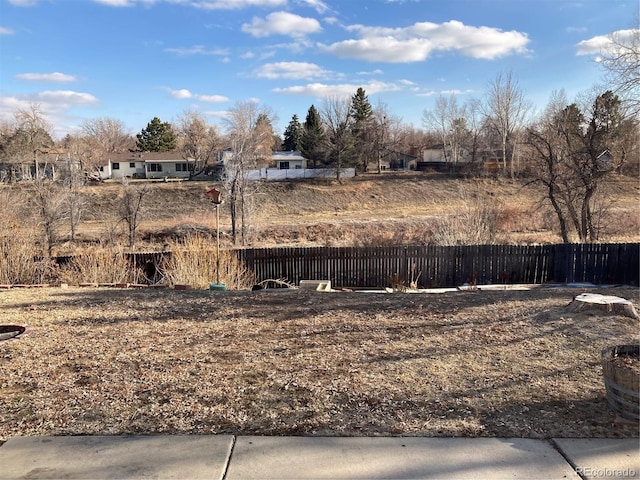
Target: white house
[[289, 160], [123, 165], [147, 165]]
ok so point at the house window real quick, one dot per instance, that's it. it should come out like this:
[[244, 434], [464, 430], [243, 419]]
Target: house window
[[132, 164], [181, 167], [115, 166], [154, 167], [102, 169], [284, 165], [298, 167]]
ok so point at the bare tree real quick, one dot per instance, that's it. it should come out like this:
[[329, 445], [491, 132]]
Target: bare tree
[[247, 137], [575, 152], [32, 132], [74, 201], [473, 121], [449, 120], [198, 142], [336, 117], [100, 138], [49, 200], [130, 207], [388, 134], [620, 58], [506, 109]]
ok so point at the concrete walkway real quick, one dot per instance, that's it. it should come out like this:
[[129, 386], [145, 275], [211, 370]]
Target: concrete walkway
[[247, 457]]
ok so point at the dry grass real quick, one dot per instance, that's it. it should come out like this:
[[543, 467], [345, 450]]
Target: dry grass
[[373, 209], [100, 264], [194, 262], [109, 361]]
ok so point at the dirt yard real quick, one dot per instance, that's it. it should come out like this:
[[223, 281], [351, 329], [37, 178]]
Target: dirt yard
[[293, 362]]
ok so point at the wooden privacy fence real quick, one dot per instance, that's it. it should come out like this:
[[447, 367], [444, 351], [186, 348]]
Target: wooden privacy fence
[[437, 266]]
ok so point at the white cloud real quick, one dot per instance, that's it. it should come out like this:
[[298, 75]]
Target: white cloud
[[181, 94], [53, 103], [456, 91], [184, 94], [318, 5], [291, 70], [282, 23], [416, 42], [197, 50], [66, 98], [6, 31], [431, 93], [598, 44], [340, 90], [377, 71], [47, 77], [212, 98]]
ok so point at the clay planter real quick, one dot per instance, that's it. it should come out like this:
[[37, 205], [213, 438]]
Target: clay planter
[[621, 370]]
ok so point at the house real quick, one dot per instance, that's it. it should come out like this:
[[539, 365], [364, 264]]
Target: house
[[398, 161], [43, 162], [167, 165], [289, 160], [153, 165], [604, 161], [123, 165]]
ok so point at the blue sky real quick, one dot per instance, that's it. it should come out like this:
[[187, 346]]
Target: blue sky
[[137, 59]]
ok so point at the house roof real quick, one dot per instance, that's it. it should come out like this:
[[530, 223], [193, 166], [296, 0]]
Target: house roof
[[173, 156], [286, 156]]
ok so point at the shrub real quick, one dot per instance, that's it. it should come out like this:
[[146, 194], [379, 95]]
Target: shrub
[[193, 262], [21, 256], [100, 264], [474, 224]]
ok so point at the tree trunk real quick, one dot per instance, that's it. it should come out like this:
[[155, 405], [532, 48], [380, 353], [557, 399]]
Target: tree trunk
[[596, 303], [564, 232]]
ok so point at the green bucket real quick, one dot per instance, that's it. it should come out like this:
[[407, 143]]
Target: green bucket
[[220, 287]]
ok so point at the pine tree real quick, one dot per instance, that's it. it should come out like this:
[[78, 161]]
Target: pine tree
[[157, 137], [312, 138], [293, 135], [361, 114]]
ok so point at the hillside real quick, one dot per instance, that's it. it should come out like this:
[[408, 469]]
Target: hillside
[[369, 209]]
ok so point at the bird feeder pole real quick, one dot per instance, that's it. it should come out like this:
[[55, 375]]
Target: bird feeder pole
[[216, 198]]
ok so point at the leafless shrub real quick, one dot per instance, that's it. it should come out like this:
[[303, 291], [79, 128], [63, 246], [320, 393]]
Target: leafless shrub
[[474, 224], [21, 261], [49, 200], [193, 261], [21, 255], [100, 264]]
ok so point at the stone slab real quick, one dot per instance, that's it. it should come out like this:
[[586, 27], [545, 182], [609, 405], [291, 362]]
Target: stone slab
[[317, 285], [602, 457], [116, 457], [394, 458]]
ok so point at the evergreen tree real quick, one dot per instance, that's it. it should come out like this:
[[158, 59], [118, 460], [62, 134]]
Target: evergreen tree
[[293, 135], [157, 137], [363, 129], [312, 138]]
